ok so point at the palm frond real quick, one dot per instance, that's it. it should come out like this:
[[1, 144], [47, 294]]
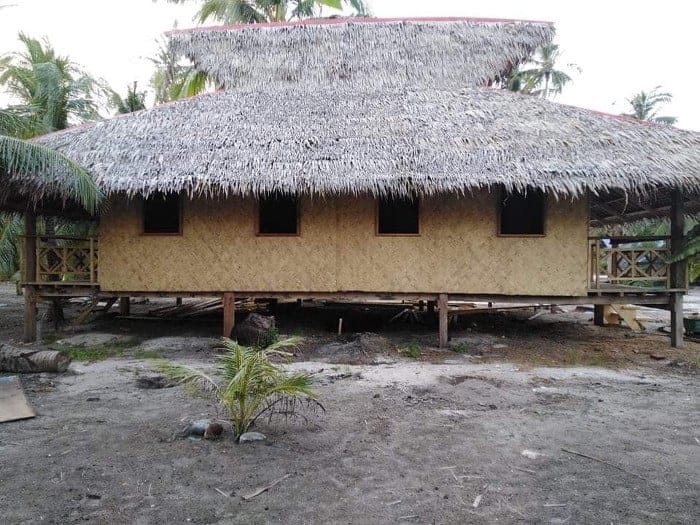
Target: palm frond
[[56, 172], [188, 376], [11, 227]]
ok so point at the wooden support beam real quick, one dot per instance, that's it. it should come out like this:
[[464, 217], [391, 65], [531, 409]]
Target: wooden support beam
[[599, 314], [677, 270], [29, 274], [178, 301], [676, 320], [443, 320], [229, 313], [124, 305]]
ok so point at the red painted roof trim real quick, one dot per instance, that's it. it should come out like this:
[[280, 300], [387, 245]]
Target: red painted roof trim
[[355, 20]]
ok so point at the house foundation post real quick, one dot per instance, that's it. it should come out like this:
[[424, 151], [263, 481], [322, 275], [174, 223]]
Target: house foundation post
[[124, 305], [28, 275], [443, 320], [599, 314], [229, 314], [677, 269]]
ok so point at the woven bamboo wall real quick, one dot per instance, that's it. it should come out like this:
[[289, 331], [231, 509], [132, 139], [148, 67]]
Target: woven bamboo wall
[[457, 250]]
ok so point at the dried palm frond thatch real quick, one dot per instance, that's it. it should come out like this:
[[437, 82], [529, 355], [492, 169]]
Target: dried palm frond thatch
[[368, 53], [403, 140]]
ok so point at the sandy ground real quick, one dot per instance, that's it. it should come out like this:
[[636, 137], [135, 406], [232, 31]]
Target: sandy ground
[[434, 440]]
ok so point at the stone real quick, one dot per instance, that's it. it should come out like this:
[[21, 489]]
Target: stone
[[248, 437], [256, 330], [203, 428], [149, 382]]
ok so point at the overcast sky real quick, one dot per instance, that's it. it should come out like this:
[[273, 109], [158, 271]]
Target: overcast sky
[[621, 46]]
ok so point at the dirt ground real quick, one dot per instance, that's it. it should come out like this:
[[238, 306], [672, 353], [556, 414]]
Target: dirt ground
[[487, 435]]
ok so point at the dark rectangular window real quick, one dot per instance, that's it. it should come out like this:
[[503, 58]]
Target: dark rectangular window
[[278, 215], [161, 213], [397, 216], [522, 213]]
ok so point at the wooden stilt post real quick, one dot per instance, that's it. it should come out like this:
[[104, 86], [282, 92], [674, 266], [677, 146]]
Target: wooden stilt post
[[677, 269], [29, 275], [124, 306], [178, 301], [599, 314], [443, 320], [229, 313]]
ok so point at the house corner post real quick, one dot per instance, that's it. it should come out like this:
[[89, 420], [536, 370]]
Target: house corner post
[[229, 314], [443, 320], [599, 314], [28, 275], [678, 278]]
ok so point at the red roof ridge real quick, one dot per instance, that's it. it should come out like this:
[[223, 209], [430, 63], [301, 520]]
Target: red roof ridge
[[356, 20]]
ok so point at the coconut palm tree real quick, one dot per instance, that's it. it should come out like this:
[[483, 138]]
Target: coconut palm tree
[[133, 101], [260, 11], [645, 106], [172, 79], [543, 78], [54, 91], [250, 385], [19, 157], [53, 94]]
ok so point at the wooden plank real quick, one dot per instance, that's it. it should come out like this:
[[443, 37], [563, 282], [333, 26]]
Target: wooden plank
[[86, 311], [443, 320], [677, 272], [229, 313], [676, 307], [13, 403]]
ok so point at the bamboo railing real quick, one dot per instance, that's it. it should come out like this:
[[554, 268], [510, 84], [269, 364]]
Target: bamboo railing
[[64, 260], [629, 263]]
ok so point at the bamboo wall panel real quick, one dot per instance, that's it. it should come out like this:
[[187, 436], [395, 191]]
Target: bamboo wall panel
[[457, 250]]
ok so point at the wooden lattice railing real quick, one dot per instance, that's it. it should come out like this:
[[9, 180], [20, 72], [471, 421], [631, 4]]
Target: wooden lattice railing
[[66, 260], [629, 262]]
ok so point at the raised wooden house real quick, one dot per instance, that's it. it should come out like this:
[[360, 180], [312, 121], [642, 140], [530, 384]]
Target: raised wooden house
[[370, 158]]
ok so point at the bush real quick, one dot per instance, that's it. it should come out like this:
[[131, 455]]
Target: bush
[[251, 385]]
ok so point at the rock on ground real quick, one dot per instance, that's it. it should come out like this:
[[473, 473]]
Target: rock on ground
[[248, 437], [256, 330]]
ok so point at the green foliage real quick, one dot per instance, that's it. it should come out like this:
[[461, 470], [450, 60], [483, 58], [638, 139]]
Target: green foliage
[[645, 106], [86, 353], [60, 173], [412, 351], [260, 11], [172, 79], [134, 101], [251, 385], [461, 348], [690, 252], [54, 92], [11, 227]]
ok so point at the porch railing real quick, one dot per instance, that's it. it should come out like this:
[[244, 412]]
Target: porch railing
[[629, 263], [64, 260]]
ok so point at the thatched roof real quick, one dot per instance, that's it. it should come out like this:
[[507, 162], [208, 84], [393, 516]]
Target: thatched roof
[[387, 140], [367, 53]]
